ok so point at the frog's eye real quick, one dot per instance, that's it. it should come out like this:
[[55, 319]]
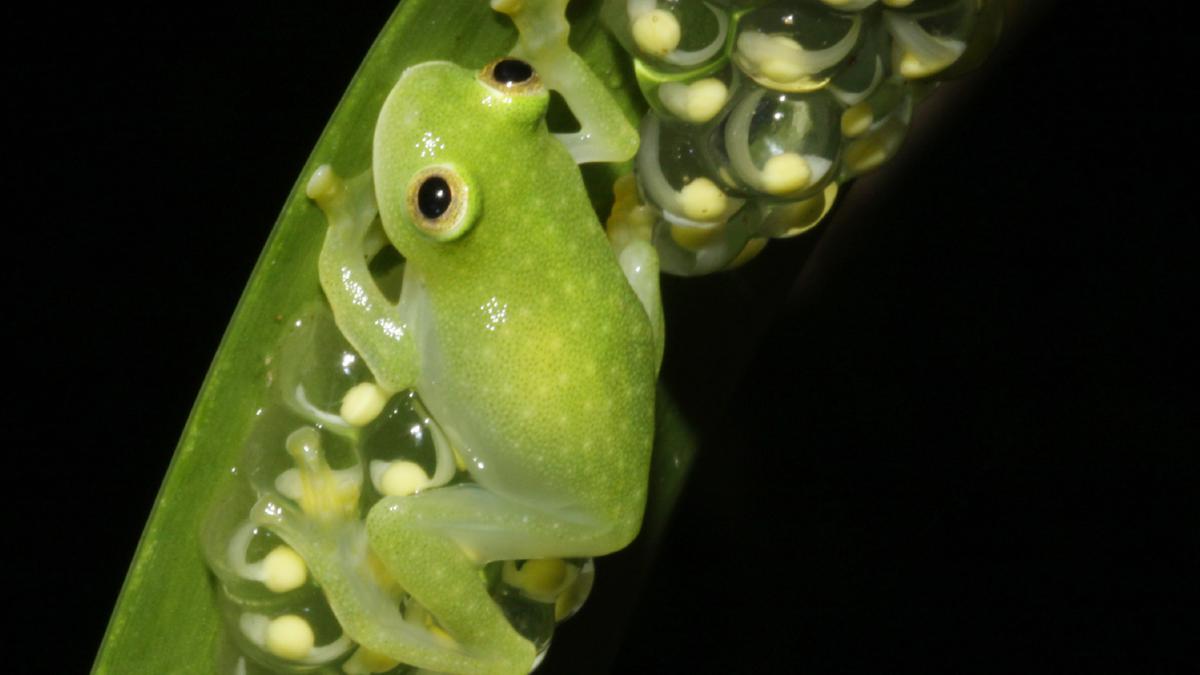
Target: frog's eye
[[439, 203], [511, 75]]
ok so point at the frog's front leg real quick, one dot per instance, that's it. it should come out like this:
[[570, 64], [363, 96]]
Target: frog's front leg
[[605, 135], [639, 261], [433, 544], [628, 227], [362, 313]]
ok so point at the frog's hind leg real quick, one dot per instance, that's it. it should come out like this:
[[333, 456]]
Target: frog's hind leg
[[365, 601], [434, 544]]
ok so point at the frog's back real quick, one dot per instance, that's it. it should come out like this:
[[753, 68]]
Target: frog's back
[[546, 362], [536, 355]]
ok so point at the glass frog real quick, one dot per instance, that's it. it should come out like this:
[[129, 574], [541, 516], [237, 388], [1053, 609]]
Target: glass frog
[[532, 341]]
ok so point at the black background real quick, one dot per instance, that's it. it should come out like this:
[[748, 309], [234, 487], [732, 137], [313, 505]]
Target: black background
[[968, 442]]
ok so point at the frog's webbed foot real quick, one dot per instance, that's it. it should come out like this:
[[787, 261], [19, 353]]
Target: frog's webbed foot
[[629, 226], [363, 314], [605, 135]]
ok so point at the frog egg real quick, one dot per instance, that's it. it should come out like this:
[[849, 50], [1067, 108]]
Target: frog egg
[[672, 177], [406, 451], [929, 35], [789, 219], [849, 5], [630, 218], [571, 599], [398, 479], [533, 619], [792, 46], [741, 4], [237, 550], [310, 465], [365, 662], [893, 98], [876, 127], [781, 145], [542, 579], [669, 35], [987, 21], [688, 248], [294, 640], [314, 367], [874, 148], [866, 68], [363, 403], [749, 252], [289, 637], [283, 570], [696, 101]]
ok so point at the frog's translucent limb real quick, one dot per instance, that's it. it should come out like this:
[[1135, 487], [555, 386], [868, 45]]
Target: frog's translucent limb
[[433, 544], [446, 466], [366, 606], [639, 262], [324, 494], [630, 218], [343, 481], [629, 228], [604, 135], [362, 313]]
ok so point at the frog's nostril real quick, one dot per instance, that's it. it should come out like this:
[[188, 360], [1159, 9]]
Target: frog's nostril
[[512, 71]]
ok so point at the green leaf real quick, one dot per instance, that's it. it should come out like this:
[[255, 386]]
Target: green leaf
[[166, 618]]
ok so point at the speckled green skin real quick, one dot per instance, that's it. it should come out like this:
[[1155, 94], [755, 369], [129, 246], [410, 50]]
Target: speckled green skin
[[526, 343]]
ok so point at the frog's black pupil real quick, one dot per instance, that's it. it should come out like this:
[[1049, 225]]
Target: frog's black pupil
[[433, 198], [512, 71]]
